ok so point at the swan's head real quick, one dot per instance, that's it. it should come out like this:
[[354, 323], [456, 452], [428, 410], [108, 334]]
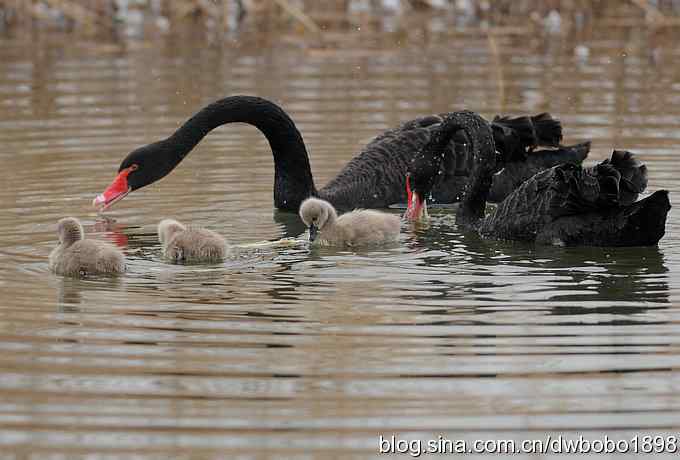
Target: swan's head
[[141, 167], [167, 228], [316, 214], [69, 230], [425, 166], [420, 180], [417, 206]]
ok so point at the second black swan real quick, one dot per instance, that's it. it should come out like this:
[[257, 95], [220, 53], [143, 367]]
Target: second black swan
[[564, 205], [372, 179]]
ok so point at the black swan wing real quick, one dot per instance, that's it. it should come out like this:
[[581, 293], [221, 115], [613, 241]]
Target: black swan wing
[[515, 139], [563, 196], [375, 178], [515, 173]]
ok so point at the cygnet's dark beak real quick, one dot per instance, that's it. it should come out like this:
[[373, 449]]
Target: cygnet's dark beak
[[313, 231]]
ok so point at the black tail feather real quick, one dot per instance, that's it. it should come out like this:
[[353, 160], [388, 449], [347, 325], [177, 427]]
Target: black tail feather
[[548, 130], [521, 127], [534, 131], [513, 136], [622, 177], [633, 172]]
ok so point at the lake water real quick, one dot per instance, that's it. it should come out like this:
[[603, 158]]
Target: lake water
[[312, 354]]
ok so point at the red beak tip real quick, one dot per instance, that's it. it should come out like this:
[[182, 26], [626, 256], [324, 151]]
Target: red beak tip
[[115, 192]]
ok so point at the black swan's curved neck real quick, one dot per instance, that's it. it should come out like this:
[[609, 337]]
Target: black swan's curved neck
[[293, 180], [473, 207], [483, 158]]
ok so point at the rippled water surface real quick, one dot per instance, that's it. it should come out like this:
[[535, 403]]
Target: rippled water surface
[[299, 353]]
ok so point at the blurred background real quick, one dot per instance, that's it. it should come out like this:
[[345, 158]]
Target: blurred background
[[117, 20], [312, 354]]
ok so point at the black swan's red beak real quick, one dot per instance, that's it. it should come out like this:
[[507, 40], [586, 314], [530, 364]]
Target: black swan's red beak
[[417, 208], [115, 192]]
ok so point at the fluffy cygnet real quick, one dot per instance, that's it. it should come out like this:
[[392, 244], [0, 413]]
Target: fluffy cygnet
[[190, 244], [77, 256], [360, 227]]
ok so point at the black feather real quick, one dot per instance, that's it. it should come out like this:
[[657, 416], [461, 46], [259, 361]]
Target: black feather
[[572, 205], [515, 173], [548, 130]]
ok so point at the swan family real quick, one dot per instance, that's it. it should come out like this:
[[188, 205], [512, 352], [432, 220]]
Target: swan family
[[543, 192]]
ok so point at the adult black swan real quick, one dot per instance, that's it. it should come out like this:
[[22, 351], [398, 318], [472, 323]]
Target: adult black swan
[[564, 205], [372, 179]]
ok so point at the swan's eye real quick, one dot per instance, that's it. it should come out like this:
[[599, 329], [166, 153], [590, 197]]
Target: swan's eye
[[134, 167]]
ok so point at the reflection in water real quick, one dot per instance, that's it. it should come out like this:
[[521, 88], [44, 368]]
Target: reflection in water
[[312, 353], [636, 275], [571, 274], [72, 290], [114, 230], [290, 223], [69, 294]]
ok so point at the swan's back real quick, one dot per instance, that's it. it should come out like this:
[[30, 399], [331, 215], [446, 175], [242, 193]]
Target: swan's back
[[642, 223], [87, 257], [195, 244], [569, 204], [376, 176], [515, 173], [363, 227]]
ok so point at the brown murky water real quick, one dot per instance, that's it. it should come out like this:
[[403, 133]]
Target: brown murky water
[[293, 353]]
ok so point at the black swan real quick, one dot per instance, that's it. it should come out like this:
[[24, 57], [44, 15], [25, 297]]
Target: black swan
[[372, 179], [517, 170], [76, 256], [361, 227], [565, 205], [190, 244]]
